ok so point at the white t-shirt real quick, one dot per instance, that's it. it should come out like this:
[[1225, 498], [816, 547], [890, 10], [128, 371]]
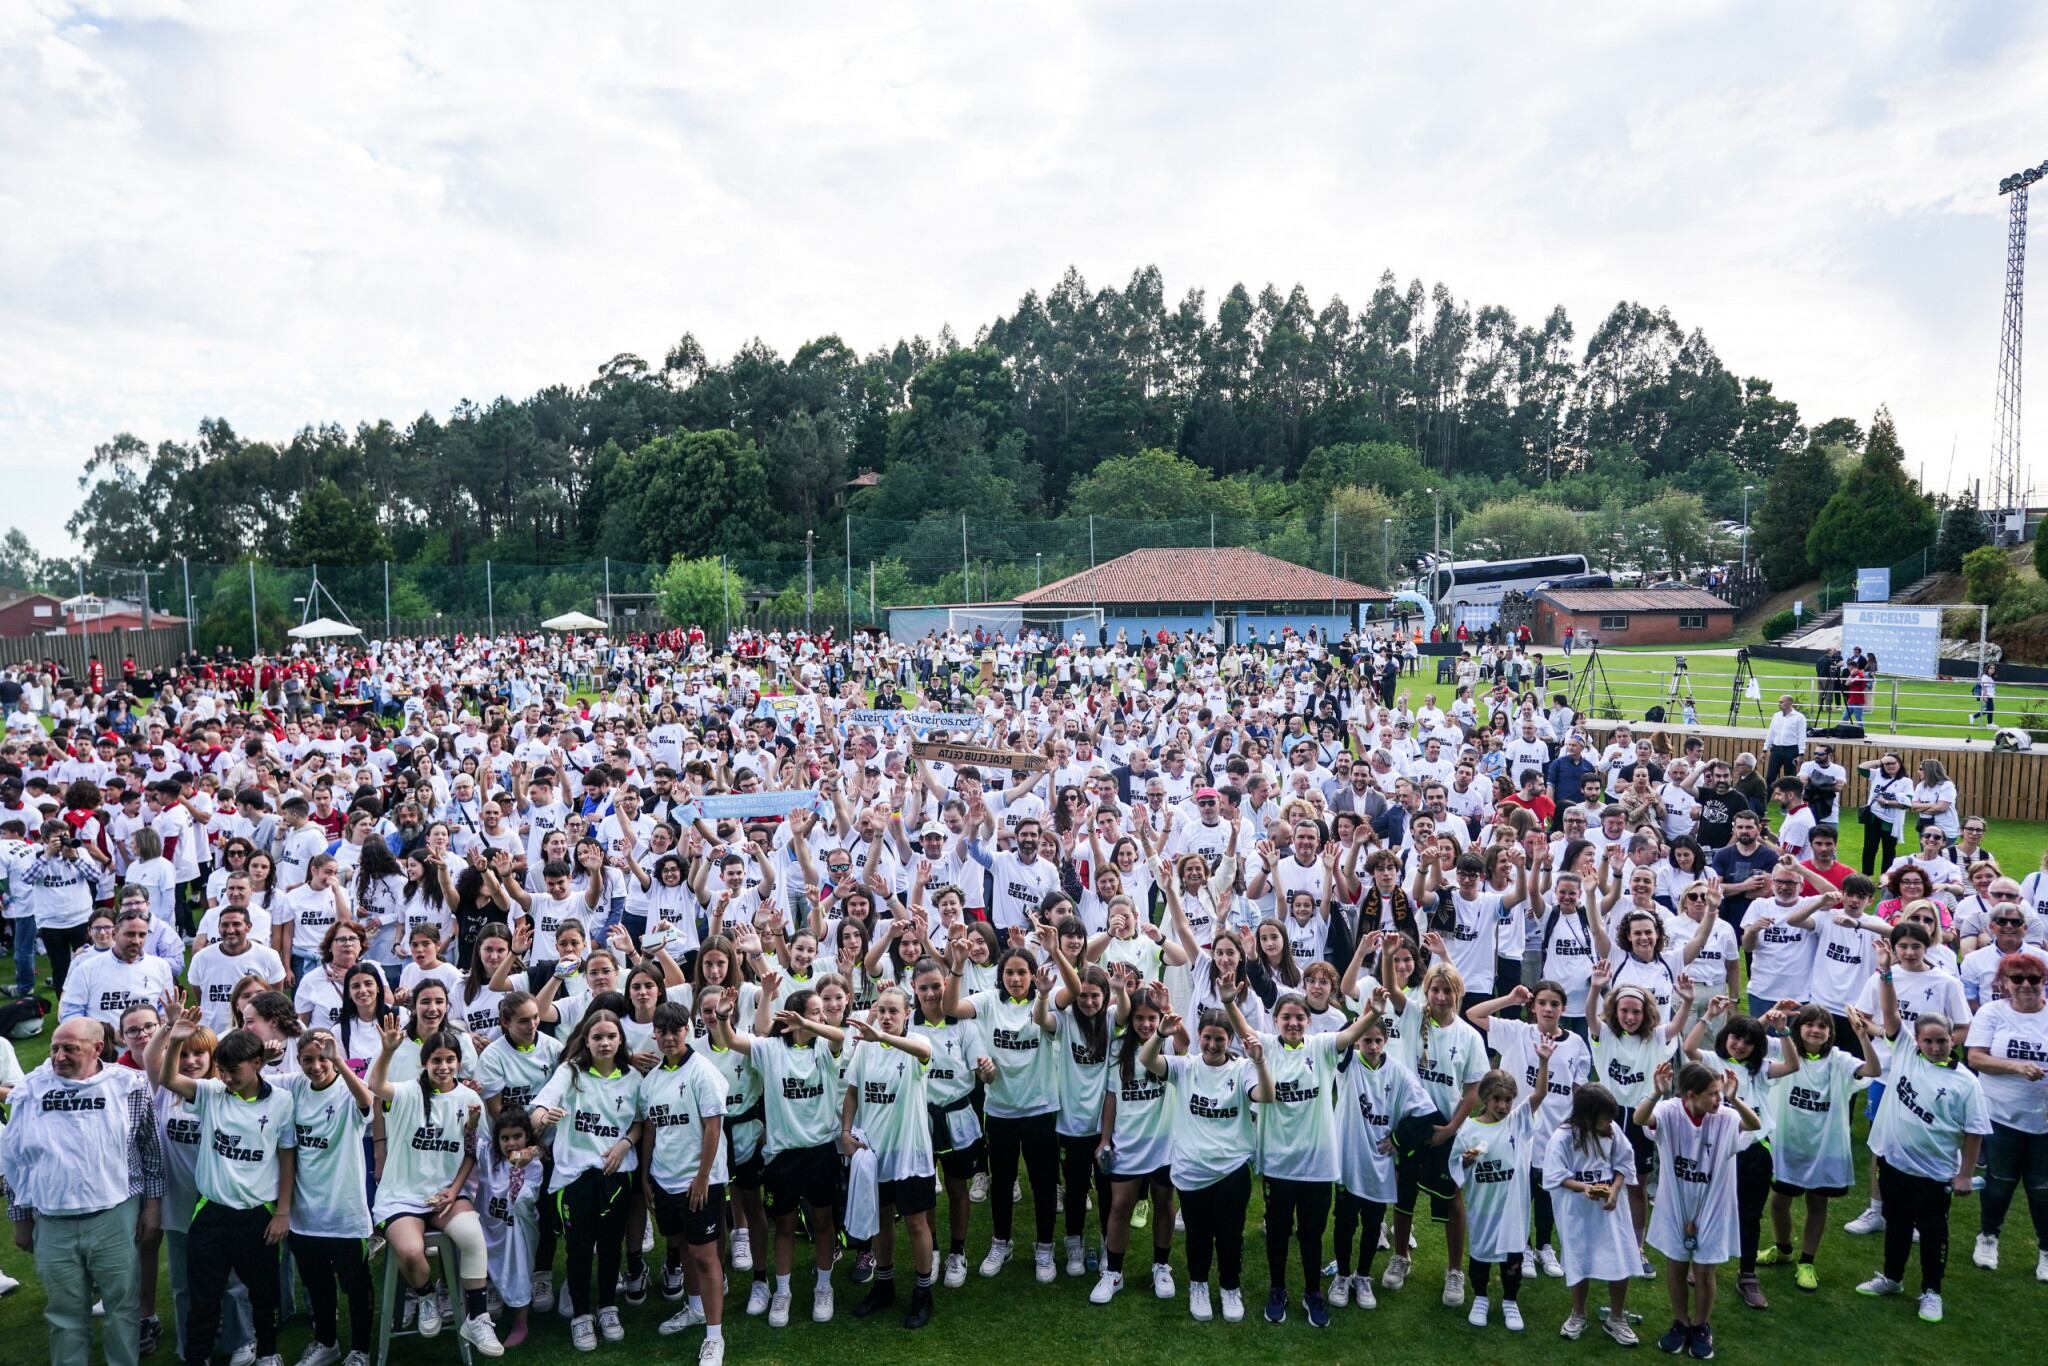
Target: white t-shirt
[[1298, 1128], [2010, 1036], [1926, 1111], [1781, 965], [1213, 1130], [675, 1102], [1027, 1072]]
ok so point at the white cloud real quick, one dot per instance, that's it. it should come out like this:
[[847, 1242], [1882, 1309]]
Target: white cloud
[[286, 214]]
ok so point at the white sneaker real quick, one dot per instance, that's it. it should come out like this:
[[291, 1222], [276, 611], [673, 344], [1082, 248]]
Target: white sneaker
[[1454, 1288], [1361, 1293], [8, 1284], [272, 1360], [821, 1303], [320, 1354], [1529, 1271], [977, 1188], [1511, 1315], [998, 1254], [99, 1311], [1985, 1254], [1880, 1284], [757, 1299], [647, 1238], [1042, 1264], [1870, 1221], [583, 1333], [778, 1309], [609, 1325], [712, 1353], [742, 1250], [1233, 1306], [356, 1359], [1077, 1260], [1621, 1330], [2041, 1268], [1573, 1328], [1546, 1257], [1338, 1294], [479, 1332], [956, 1270], [1480, 1304], [1396, 1274], [1198, 1302], [245, 1355], [430, 1315], [681, 1323], [1930, 1306], [1106, 1287], [1162, 1281]]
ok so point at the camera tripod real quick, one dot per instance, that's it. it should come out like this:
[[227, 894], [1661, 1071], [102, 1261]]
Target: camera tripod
[[1745, 678], [1591, 675]]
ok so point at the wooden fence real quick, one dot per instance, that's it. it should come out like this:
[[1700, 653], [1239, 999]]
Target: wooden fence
[[155, 648], [1994, 784]]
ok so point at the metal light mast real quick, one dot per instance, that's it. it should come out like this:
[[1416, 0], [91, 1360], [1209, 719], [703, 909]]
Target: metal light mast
[[2007, 506]]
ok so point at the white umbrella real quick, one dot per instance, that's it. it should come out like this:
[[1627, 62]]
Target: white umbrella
[[322, 628], [573, 621]]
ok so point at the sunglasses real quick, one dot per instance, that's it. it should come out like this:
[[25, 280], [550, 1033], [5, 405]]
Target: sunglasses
[[2028, 979], [2009, 921], [1695, 896]]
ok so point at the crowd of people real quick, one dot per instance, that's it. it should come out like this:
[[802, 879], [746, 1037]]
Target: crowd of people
[[567, 972]]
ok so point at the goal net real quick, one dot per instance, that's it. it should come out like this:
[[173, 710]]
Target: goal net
[[1013, 620]]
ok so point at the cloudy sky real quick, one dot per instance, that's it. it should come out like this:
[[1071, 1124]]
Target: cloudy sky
[[284, 214]]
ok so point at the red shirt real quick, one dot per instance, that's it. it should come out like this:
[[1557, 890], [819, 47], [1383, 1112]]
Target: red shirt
[[1835, 875]]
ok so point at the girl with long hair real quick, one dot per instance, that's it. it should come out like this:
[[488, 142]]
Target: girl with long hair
[[1588, 1163], [1134, 1153], [1491, 1169]]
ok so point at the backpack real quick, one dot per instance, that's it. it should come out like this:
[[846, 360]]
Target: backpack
[[23, 1018]]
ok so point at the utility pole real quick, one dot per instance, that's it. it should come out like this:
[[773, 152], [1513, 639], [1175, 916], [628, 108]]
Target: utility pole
[[255, 642], [145, 597], [186, 566], [2007, 506], [490, 600], [810, 579], [966, 576], [387, 599], [607, 588]]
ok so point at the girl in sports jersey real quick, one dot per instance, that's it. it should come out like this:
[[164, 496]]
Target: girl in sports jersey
[[592, 1105], [1811, 1154], [1022, 1103], [330, 1205], [429, 1124], [791, 1049], [1079, 1020], [509, 1180], [1376, 1092], [1213, 1141], [1742, 1048], [683, 1174], [1272, 968], [1449, 1058], [479, 1004], [1570, 1066], [884, 1109], [1493, 1153], [1588, 1162], [1629, 1040], [573, 988], [719, 964], [1298, 1147], [959, 1061], [745, 1129], [1134, 1153], [429, 1017], [850, 962], [1695, 1222]]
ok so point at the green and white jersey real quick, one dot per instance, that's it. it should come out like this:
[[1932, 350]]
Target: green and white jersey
[[423, 1146], [597, 1111], [1926, 1112], [1213, 1132], [1084, 1071], [956, 1049], [742, 1093], [329, 1193], [1626, 1064], [685, 996], [800, 1094], [514, 1074], [1141, 1140], [1448, 1058], [1140, 952], [1810, 1132], [1370, 1102], [1754, 1088], [1298, 1127], [890, 1090], [239, 1142], [675, 1101], [1027, 1076]]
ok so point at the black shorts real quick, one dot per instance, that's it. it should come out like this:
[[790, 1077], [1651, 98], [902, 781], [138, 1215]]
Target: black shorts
[[801, 1176], [1426, 1168], [1162, 1177], [1639, 1141], [674, 1217], [958, 1164], [911, 1195], [1825, 1192]]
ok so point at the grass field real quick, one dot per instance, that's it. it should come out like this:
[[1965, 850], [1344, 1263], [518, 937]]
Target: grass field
[[1641, 679], [1013, 1318]]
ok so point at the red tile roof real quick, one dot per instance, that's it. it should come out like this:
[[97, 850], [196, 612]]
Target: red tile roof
[[1228, 574], [1675, 599]]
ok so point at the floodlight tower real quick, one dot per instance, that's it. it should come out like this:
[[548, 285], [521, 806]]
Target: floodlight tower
[[2007, 506]]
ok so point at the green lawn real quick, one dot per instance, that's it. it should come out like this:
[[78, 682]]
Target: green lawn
[[1642, 678], [986, 1321]]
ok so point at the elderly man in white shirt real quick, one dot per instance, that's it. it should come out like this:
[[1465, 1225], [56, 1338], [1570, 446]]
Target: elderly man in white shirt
[[1786, 737]]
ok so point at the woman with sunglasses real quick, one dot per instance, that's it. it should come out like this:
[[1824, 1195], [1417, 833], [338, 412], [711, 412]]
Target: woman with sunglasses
[[1884, 814], [2009, 1053], [2005, 933]]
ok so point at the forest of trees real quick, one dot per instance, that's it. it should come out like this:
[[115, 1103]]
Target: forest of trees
[[1115, 402]]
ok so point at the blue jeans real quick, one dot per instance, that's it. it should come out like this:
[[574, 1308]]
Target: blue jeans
[[303, 965], [24, 955]]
